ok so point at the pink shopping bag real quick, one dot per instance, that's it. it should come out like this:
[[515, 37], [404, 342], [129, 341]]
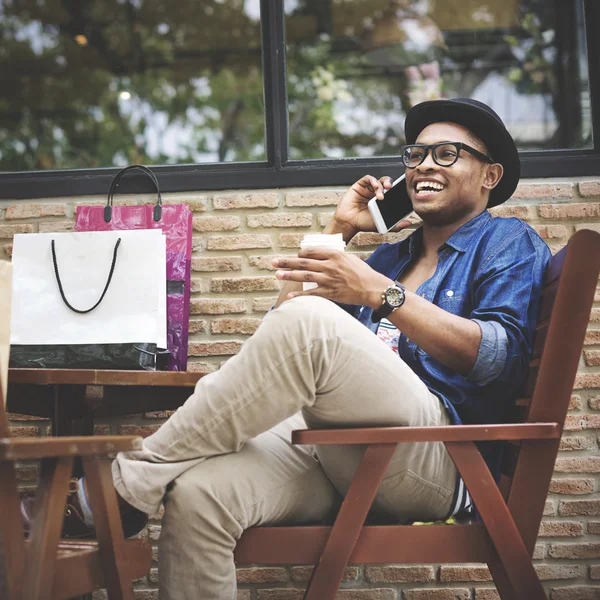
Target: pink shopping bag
[[175, 220]]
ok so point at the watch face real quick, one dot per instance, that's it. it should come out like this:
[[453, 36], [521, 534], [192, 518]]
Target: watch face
[[394, 296]]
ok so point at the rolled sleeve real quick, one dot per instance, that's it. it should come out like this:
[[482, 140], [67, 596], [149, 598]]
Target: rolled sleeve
[[492, 353]]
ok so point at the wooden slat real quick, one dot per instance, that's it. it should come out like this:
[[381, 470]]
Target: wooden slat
[[45, 532], [109, 530], [26, 448], [451, 433], [78, 568], [303, 545], [506, 538], [101, 377], [345, 532]]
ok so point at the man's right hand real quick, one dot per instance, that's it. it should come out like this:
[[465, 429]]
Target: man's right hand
[[352, 213]]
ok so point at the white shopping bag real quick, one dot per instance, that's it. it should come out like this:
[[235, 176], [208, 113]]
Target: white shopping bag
[[133, 297]]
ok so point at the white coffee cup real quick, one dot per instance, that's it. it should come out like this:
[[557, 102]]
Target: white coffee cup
[[334, 241]]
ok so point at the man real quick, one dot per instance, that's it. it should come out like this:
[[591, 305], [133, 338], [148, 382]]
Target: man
[[462, 291]]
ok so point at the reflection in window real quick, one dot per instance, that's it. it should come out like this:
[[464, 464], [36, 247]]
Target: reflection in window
[[355, 67], [90, 83]]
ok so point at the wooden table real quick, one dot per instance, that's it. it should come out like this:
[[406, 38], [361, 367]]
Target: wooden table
[[62, 394]]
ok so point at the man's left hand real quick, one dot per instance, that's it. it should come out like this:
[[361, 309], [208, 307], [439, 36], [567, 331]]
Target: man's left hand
[[340, 276]]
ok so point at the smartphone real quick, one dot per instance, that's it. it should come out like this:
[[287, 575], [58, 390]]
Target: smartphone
[[394, 207]]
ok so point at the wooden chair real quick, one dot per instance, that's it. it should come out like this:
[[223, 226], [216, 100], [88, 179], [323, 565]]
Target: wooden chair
[[511, 513], [43, 567]]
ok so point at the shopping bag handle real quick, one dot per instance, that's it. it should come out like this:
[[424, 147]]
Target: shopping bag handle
[[115, 182], [60, 287]]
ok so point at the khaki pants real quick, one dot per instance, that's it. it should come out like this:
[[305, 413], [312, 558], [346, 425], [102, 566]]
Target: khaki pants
[[224, 462]]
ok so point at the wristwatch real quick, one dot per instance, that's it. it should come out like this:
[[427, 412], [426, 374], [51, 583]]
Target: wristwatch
[[391, 299]]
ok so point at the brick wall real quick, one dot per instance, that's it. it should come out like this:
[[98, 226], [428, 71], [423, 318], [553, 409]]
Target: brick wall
[[233, 285]]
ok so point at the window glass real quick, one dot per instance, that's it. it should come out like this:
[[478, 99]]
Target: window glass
[[89, 83], [355, 67]]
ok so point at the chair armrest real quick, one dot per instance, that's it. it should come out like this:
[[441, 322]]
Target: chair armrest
[[447, 433], [21, 449]]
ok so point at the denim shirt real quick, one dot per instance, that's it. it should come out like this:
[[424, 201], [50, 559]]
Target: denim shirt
[[490, 271]]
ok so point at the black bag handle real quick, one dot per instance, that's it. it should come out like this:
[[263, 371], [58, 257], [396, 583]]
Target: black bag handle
[[115, 182], [60, 287]]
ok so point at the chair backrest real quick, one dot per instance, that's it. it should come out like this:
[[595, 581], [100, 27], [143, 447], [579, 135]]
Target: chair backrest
[[567, 297], [5, 299]]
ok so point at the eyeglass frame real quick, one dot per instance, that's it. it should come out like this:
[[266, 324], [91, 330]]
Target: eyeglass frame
[[459, 146]]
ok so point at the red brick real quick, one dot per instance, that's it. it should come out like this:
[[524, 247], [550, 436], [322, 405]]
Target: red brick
[[24, 431], [486, 594], [261, 575], [159, 414], [587, 381], [399, 574], [375, 239], [212, 223], [569, 211], [201, 368], [549, 508], [196, 203], [544, 190], [572, 508], [592, 358], [595, 315], [589, 188], [244, 595], [245, 241], [214, 348], [592, 336], [580, 422], [245, 284], [8, 231], [561, 529], [8, 250], [324, 219], [255, 200], [575, 403], [303, 573], [594, 571], [310, 198], [594, 403], [143, 430], [56, 227], [217, 263], [549, 572], [198, 326], [520, 212], [453, 574], [594, 527], [261, 305], [376, 594], [290, 240], [438, 594], [28, 472], [211, 306], [540, 551], [548, 232], [281, 594], [574, 551], [146, 594], [574, 442], [32, 211], [575, 593], [201, 286], [265, 262], [583, 464], [235, 326], [281, 220], [572, 486], [101, 429]]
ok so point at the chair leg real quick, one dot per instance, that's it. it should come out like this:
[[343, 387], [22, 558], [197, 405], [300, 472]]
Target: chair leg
[[12, 540], [46, 528], [328, 573], [513, 557], [109, 529]]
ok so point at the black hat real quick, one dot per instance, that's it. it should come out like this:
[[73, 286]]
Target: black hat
[[483, 122]]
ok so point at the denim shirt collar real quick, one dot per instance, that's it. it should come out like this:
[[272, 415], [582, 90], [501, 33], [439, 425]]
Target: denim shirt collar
[[459, 240]]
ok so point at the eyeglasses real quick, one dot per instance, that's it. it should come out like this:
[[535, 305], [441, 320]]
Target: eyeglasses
[[444, 154]]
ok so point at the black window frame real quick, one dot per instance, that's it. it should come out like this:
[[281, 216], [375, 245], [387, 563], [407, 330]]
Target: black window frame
[[278, 171]]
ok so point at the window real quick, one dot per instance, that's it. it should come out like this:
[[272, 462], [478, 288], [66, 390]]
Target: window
[[280, 93]]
